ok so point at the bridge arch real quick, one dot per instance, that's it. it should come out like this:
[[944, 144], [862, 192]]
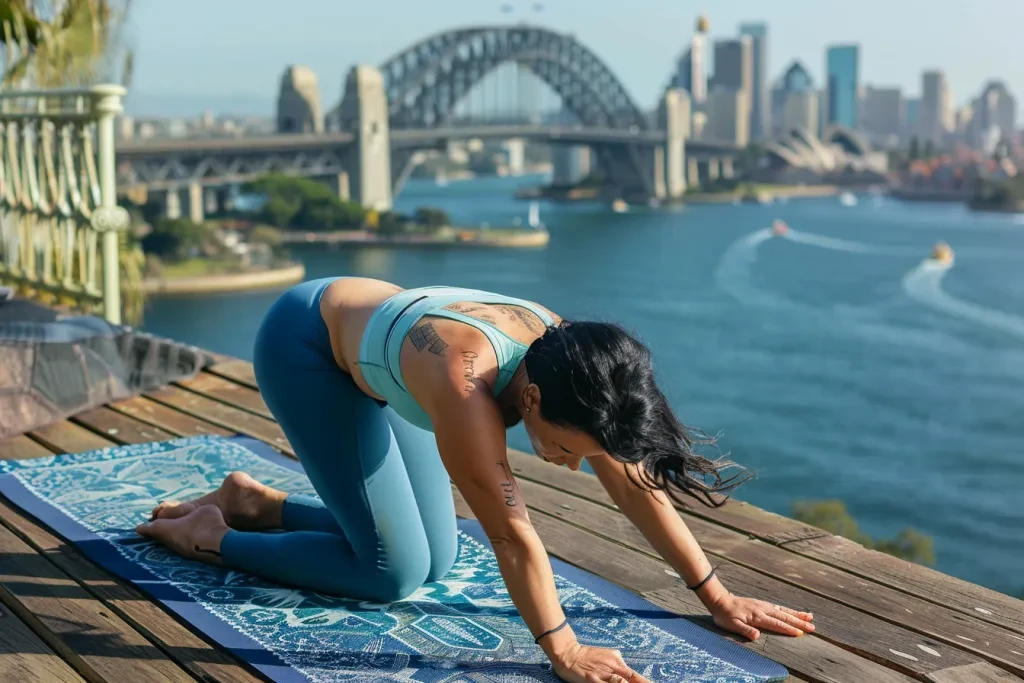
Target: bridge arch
[[425, 81]]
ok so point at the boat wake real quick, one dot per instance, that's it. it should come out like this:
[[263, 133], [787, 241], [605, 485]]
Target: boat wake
[[734, 268], [924, 285], [848, 246]]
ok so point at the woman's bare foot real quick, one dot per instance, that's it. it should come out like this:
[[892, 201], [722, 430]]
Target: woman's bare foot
[[196, 535], [244, 502]]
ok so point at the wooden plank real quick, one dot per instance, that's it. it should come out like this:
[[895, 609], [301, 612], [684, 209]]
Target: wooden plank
[[973, 673], [812, 659], [187, 649], [229, 392], [168, 419], [238, 370], [25, 657], [65, 437], [97, 643], [224, 415], [119, 427], [850, 629], [734, 514], [22, 448], [928, 584]]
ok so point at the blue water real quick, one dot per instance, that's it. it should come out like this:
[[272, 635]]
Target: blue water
[[835, 368]]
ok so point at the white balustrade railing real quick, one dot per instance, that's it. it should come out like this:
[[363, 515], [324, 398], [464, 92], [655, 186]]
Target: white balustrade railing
[[59, 219]]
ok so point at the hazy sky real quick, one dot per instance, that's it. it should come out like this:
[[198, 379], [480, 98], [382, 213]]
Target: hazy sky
[[218, 50]]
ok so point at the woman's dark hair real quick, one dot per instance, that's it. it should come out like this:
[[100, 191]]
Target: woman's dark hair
[[596, 378]]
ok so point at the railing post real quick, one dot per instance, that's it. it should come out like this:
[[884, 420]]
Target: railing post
[[108, 219]]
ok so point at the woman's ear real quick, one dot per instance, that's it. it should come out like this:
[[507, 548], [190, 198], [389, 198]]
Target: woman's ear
[[531, 398]]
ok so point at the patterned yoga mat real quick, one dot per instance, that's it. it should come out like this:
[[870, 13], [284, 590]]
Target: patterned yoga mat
[[462, 628]]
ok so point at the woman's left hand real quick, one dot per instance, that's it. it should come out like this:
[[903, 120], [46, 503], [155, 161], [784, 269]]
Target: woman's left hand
[[747, 615]]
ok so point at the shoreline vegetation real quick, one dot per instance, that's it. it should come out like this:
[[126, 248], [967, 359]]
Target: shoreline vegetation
[[723, 191]]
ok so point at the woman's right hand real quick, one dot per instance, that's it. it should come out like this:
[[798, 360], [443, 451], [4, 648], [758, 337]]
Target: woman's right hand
[[582, 664]]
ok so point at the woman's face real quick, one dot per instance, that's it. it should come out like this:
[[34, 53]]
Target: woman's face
[[559, 445]]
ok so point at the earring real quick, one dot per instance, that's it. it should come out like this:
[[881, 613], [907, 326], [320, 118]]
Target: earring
[[527, 410]]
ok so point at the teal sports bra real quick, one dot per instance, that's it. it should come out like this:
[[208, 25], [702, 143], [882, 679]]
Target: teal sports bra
[[381, 346]]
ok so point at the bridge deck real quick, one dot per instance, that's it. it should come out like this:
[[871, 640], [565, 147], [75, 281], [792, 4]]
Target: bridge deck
[[879, 619]]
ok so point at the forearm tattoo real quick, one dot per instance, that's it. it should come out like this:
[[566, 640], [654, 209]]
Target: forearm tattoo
[[507, 487], [425, 337]]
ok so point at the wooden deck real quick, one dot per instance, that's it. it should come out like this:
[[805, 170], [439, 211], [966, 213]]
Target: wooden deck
[[879, 619]]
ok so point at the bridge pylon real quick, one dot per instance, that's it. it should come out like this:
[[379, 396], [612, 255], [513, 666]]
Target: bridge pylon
[[364, 112]]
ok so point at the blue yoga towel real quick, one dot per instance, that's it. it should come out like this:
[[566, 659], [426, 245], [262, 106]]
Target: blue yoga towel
[[459, 629]]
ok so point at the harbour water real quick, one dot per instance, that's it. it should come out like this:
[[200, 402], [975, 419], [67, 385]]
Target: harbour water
[[833, 362]]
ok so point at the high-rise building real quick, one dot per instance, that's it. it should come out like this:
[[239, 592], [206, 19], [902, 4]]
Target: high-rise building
[[691, 69], [995, 116], [728, 116], [883, 114], [760, 111], [912, 122], [936, 114], [800, 111], [842, 85], [796, 79], [734, 65]]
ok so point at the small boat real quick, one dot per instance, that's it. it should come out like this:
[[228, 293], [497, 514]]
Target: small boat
[[942, 253], [533, 220], [848, 199], [779, 227], [620, 206], [441, 179]]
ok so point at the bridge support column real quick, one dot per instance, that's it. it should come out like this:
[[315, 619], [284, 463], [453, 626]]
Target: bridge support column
[[211, 202], [194, 203], [339, 183], [677, 129], [727, 168], [692, 172], [169, 201], [516, 149], [364, 111], [658, 172], [570, 164], [713, 169]]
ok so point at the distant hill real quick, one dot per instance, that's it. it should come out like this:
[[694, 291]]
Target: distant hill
[[148, 105]]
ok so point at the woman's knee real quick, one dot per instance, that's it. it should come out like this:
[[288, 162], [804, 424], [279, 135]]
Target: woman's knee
[[391, 584]]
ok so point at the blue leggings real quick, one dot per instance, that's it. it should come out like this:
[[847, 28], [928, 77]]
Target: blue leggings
[[387, 522]]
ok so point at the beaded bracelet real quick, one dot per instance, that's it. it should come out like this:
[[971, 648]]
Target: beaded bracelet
[[701, 584], [548, 633]]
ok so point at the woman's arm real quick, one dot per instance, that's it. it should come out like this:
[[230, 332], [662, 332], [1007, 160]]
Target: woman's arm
[[654, 515], [471, 439]]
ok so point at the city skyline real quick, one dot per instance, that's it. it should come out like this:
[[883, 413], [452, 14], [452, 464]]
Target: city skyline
[[251, 50]]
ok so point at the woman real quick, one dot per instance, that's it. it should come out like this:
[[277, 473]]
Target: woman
[[386, 393]]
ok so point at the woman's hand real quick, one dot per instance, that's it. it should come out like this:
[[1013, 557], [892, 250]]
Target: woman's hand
[[582, 664], [746, 615]]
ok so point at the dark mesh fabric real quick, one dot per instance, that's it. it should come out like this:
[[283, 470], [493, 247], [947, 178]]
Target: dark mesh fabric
[[53, 367]]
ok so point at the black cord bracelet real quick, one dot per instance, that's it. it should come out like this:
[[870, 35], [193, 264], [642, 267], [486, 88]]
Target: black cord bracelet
[[548, 633], [701, 584]]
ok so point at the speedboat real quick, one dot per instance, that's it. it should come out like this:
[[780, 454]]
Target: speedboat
[[779, 227], [620, 206], [848, 199], [942, 253]]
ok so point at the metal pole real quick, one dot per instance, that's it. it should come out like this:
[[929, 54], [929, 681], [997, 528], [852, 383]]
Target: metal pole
[[108, 218]]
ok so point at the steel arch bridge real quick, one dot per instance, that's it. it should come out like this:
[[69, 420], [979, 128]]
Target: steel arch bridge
[[425, 81]]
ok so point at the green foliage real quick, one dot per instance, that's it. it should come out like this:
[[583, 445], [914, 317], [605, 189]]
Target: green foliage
[[929, 149], [174, 239], [831, 515], [264, 234], [999, 194], [432, 218], [390, 223], [303, 204]]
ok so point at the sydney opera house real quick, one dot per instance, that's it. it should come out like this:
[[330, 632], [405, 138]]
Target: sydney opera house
[[839, 155]]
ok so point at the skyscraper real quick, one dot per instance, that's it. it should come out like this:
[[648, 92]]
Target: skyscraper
[[760, 111], [795, 80], [691, 70], [843, 69], [734, 65], [883, 115], [936, 113], [728, 116]]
